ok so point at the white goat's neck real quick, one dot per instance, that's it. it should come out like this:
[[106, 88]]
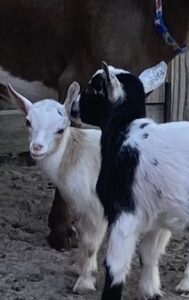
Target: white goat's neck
[[50, 164]]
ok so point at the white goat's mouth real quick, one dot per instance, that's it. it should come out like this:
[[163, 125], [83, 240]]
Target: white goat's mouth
[[37, 156]]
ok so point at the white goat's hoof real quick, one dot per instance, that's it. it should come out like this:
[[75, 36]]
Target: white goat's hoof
[[84, 285], [153, 295], [183, 287]]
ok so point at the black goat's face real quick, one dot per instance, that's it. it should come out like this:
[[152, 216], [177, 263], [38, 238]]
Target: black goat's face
[[94, 105], [110, 86], [103, 90]]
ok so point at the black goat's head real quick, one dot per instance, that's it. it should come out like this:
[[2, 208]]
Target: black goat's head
[[110, 86]]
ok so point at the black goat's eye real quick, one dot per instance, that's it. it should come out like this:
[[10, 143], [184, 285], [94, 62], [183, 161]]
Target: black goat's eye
[[28, 124], [60, 131]]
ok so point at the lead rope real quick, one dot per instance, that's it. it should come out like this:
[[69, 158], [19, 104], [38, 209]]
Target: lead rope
[[163, 30]]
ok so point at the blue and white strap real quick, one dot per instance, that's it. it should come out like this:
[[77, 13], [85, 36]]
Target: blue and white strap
[[163, 30]]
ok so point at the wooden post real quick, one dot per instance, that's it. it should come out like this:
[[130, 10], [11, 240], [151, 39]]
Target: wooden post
[[180, 88], [155, 105]]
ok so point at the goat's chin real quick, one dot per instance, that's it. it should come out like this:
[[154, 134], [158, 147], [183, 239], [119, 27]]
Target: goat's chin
[[38, 156]]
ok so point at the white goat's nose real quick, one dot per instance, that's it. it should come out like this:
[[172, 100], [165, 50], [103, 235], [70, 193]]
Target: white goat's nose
[[37, 147]]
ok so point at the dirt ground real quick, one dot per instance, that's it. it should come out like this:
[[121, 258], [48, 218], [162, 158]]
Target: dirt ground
[[29, 268]]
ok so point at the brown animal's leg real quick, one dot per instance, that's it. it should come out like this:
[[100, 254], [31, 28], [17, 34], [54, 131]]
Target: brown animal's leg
[[62, 233]]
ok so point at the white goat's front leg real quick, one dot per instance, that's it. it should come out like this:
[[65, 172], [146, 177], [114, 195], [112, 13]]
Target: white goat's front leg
[[183, 286], [90, 244], [121, 247], [152, 246]]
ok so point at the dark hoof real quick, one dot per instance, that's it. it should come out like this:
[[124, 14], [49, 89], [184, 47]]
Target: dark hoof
[[155, 297], [63, 239]]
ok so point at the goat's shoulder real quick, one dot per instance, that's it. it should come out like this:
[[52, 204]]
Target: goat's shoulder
[[84, 140], [83, 149]]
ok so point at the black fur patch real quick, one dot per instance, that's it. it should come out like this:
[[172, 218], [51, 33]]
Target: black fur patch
[[114, 185], [95, 107], [111, 292]]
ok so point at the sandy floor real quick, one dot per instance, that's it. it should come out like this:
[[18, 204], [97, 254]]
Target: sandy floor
[[29, 268]]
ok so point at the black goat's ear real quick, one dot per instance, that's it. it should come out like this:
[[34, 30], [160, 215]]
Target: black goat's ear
[[113, 85], [72, 96]]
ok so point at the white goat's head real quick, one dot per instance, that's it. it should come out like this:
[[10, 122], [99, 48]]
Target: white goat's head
[[46, 120]]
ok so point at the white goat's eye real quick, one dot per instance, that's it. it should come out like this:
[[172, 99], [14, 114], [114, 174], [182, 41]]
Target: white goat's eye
[[60, 131], [28, 124]]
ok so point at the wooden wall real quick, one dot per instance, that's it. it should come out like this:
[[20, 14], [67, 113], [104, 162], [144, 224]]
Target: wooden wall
[[155, 105], [179, 78]]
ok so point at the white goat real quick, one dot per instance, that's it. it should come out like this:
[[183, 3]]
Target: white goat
[[70, 157]]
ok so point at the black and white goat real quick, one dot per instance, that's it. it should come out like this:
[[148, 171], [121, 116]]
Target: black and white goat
[[143, 182], [70, 157]]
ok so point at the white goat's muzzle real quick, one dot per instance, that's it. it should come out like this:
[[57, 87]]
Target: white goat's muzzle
[[37, 151]]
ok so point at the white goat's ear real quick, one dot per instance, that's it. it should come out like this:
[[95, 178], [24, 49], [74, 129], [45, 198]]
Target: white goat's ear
[[113, 85], [154, 77], [72, 96], [22, 103]]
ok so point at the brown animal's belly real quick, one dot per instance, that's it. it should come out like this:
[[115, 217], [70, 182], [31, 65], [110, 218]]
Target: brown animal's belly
[[33, 90]]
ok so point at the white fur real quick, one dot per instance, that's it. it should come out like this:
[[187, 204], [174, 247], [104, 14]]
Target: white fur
[[169, 145], [152, 246], [121, 246], [75, 175], [113, 70], [161, 193]]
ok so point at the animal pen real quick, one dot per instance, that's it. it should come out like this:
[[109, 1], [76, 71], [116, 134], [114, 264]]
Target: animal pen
[[169, 103]]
